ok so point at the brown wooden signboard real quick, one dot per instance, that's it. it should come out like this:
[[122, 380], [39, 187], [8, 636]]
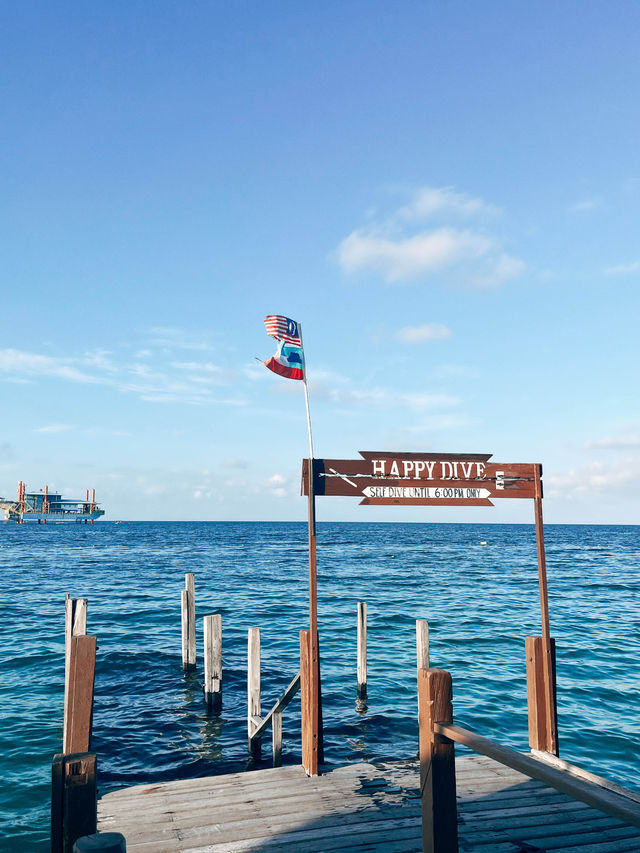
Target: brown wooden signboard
[[438, 479], [422, 479]]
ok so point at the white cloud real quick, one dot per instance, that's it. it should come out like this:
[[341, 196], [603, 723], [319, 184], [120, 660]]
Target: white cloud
[[426, 332], [623, 269], [439, 201], [32, 364], [389, 398], [173, 338], [185, 382], [585, 205], [401, 248], [501, 270], [406, 258], [234, 462], [54, 428], [614, 443], [616, 479]]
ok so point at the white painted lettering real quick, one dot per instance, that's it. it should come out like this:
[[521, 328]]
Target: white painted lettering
[[447, 470], [430, 467], [394, 472], [407, 465], [378, 466], [480, 469], [419, 467]]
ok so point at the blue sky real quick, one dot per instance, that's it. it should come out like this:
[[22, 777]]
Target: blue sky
[[445, 196]]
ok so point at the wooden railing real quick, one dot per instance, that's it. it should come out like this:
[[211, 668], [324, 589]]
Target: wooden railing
[[257, 725], [438, 734]]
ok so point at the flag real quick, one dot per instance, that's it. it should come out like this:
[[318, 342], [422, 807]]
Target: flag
[[283, 329], [289, 358]]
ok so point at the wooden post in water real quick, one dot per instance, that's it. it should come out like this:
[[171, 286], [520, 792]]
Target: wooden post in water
[[422, 643], [213, 661], [437, 764], [305, 704], [75, 625], [541, 728], [362, 650], [73, 800], [276, 735], [540, 654], [253, 689], [189, 623], [79, 692]]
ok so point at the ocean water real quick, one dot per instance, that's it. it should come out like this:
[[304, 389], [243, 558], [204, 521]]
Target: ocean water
[[150, 721]]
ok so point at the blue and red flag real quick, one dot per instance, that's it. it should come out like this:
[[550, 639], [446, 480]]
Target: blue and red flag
[[289, 358]]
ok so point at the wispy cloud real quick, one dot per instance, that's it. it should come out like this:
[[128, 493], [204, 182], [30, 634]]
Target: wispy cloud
[[612, 479], [402, 258], [337, 389], [387, 398], [29, 364], [423, 238], [174, 338], [585, 205], [430, 202], [157, 381], [54, 428], [426, 332], [623, 269], [630, 443]]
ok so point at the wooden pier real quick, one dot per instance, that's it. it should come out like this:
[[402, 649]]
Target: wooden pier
[[360, 807], [495, 801]]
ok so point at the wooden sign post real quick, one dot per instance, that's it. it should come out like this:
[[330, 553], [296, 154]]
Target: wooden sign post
[[312, 743], [444, 479]]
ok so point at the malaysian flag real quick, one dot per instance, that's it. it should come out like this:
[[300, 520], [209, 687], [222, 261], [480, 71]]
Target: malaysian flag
[[283, 329], [289, 358]]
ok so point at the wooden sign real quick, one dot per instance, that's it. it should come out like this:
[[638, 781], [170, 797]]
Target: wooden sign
[[422, 479]]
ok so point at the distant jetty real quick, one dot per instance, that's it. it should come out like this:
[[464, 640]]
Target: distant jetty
[[45, 507]]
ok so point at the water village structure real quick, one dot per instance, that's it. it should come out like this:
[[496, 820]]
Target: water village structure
[[49, 507], [497, 801]]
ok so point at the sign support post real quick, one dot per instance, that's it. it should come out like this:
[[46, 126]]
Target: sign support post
[[545, 662], [311, 724]]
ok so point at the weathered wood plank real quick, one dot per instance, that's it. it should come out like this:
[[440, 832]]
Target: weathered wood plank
[[253, 689], [212, 636], [82, 665], [362, 650], [356, 808]]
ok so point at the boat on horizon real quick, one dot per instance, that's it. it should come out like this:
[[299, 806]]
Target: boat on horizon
[[45, 507]]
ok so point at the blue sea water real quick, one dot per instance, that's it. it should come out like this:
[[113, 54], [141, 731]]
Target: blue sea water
[[150, 722]]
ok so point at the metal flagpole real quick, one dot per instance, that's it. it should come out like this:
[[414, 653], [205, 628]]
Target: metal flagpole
[[306, 393], [314, 750]]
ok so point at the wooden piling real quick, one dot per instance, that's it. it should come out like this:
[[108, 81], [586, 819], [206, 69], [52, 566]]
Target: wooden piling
[[75, 625], [541, 672], [308, 761], [189, 623], [422, 643], [73, 800], [253, 689], [276, 734], [79, 692], [362, 650], [437, 763], [213, 661]]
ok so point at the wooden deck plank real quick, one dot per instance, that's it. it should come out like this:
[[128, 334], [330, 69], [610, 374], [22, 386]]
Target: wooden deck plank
[[363, 807]]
